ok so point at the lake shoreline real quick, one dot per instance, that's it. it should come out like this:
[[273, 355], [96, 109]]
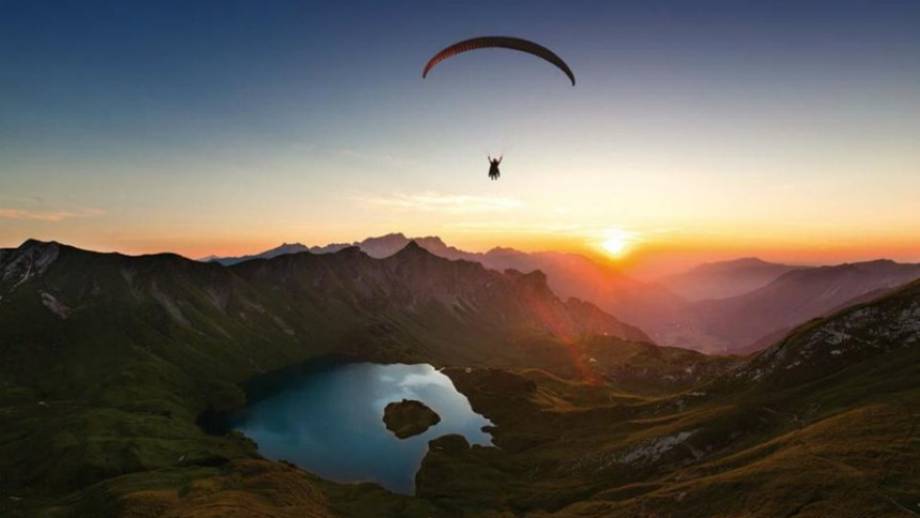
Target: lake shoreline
[[260, 386], [326, 417]]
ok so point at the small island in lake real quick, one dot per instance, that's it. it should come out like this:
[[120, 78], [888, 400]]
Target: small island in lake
[[409, 417]]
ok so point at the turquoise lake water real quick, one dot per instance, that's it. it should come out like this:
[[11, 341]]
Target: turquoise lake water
[[329, 421]]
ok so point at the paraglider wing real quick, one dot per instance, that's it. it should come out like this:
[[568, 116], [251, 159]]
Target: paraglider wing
[[502, 42]]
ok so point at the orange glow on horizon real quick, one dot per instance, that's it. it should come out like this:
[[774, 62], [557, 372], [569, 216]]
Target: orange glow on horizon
[[652, 255]]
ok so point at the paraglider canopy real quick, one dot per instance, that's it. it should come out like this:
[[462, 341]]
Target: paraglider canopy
[[501, 42]]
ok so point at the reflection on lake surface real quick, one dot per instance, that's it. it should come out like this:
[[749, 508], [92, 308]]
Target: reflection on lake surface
[[330, 421]]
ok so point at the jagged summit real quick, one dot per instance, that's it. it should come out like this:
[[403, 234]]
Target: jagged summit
[[498, 250], [390, 236], [31, 259], [33, 243], [412, 247], [347, 251], [378, 247], [533, 277]]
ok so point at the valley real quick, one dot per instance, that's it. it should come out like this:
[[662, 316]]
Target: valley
[[111, 360]]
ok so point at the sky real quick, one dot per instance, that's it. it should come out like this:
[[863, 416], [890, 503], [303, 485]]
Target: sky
[[697, 130]]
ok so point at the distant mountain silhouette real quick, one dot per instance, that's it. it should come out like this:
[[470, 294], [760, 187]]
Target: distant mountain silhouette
[[724, 279], [741, 323], [284, 249], [377, 247]]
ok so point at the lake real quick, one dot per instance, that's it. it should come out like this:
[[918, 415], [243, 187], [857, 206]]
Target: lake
[[329, 420]]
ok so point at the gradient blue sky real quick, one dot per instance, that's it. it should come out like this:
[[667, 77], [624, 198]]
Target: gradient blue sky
[[787, 129]]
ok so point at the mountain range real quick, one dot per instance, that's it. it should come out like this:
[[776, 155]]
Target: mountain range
[[756, 319], [733, 307], [111, 362], [719, 280]]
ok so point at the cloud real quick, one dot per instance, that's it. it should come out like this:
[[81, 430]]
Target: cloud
[[51, 216], [541, 227], [388, 159], [446, 203]]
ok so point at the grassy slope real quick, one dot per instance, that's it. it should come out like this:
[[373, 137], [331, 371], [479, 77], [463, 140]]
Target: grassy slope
[[809, 437], [846, 446]]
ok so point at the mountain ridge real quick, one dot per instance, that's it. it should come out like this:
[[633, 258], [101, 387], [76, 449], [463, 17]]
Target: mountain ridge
[[797, 296], [723, 279], [731, 324], [569, 275], [392, 273]]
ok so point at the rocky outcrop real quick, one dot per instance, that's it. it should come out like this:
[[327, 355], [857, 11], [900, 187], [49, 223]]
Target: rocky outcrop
[[847, 337], [31, 259], [409, 417]]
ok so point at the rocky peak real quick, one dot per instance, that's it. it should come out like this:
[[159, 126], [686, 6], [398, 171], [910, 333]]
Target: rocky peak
[[31, 259], [501, 250], [535, 280], [286, 248], [413, 249], [431, 240], [349, 251], [392, 239]]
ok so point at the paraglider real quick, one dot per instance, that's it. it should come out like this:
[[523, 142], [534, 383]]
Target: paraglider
[[499, 42], [494, 173]]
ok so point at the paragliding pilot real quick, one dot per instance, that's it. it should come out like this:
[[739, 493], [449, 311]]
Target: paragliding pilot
[[493, 167], [499, 42]]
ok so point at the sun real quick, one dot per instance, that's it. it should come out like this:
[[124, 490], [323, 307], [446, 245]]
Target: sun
[[616, 241], [614, 245]]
